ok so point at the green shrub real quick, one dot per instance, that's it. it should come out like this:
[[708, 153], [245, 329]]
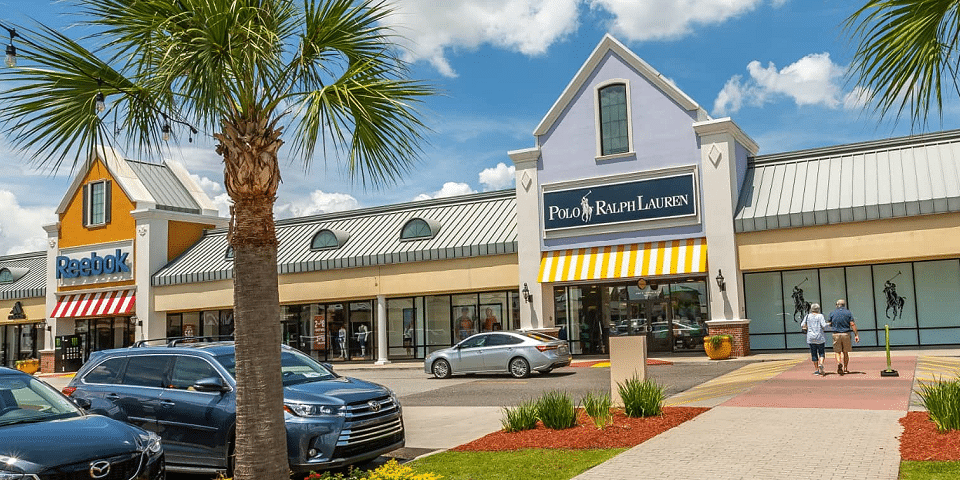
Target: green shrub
[[556, 410], [521, 417], [717, 340], [942, 401], [597, 406], [641, 398]]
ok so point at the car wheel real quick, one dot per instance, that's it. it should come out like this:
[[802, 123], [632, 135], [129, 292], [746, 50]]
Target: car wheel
[[441, 369], [519, 367]]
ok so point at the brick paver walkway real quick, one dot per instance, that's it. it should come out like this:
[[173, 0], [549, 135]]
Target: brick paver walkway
[[782, 427]]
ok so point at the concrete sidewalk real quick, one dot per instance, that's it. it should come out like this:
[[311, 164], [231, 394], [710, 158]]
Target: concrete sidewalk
[[785, 426]]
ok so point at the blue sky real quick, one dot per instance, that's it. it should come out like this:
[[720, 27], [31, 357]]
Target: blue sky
[[775, 66]]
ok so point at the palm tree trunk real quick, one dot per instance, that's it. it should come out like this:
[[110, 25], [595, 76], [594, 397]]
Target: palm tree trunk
[[252, 175]]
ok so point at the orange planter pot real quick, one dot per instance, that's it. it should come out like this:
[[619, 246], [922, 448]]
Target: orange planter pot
[[718, 353], [29, 367]]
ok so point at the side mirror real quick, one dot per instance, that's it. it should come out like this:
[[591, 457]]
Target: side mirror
[[326, 365], [81, 402], [212, 384]]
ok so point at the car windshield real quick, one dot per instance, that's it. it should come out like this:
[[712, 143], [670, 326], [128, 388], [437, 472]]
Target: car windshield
[[25, 399], [296, 367]]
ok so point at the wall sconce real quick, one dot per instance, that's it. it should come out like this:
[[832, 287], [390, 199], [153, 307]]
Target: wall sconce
[[720, 282], [133, 318], [527, 297]]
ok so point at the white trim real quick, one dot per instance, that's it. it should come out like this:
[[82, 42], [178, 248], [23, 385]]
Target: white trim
[[89, 214], [610, 44], [596, 118], [726, 125]]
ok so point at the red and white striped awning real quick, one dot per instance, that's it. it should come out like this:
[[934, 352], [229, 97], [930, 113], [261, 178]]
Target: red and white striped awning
[[115, 302]]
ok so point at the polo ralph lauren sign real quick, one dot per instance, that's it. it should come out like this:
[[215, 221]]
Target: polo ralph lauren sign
[[640, 200]]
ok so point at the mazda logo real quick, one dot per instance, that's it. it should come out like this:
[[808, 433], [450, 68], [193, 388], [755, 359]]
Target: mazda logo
[[99, 469], [374, 405]]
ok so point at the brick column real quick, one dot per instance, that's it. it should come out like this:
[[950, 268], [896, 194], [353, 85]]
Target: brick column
[[47, 360], [738, 329]]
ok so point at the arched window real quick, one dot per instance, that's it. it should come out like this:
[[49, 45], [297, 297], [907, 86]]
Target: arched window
[[229, 253], [416, 229], [6, 276], [327, 239], [613, 119]]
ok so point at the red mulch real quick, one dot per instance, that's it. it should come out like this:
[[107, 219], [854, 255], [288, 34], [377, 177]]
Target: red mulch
[[922, 441], [625, 432]]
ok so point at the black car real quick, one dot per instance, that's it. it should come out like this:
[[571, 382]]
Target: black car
[[184, 390], [45, 435]]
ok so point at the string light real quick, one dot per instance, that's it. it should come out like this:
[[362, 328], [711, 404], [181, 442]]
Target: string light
[[99, 98], [11, 50]]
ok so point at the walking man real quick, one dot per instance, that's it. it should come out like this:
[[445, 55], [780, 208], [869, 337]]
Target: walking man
[[842, 322]]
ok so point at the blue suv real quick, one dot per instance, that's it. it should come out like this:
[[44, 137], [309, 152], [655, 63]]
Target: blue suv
[[185, 391]]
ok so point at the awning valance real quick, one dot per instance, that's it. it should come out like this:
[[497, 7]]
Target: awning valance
[[675, 257], [116, 302]]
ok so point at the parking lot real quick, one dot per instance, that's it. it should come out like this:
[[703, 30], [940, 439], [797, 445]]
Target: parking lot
[[443, 413]]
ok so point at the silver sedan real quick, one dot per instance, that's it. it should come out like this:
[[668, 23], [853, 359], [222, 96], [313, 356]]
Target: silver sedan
[[517, 353]]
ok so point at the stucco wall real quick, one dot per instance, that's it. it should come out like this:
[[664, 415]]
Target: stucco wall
[[879, 241], [423, 278]]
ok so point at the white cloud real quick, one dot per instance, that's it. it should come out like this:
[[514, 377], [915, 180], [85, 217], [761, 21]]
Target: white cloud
[[639, 21], [430, 30], [21, 227], [812, 80], [216, 193], [450, 189], [319, 202], [499, 177]]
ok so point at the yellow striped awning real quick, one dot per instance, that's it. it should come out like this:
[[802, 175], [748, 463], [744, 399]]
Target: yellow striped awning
[[625, 261]]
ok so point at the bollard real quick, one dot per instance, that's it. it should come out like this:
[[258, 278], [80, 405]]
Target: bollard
[[889, 372]]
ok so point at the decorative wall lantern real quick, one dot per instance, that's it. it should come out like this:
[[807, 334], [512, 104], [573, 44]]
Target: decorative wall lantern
[[720, 283], [527, 297]]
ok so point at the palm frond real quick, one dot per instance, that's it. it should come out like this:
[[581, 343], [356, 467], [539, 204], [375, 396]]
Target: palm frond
[[906, 55]]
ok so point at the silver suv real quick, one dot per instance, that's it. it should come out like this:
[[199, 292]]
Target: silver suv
[[186, 393]]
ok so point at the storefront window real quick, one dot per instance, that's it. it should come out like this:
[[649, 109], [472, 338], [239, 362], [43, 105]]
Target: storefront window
[[336, 332], [763, 298], [938, 301], [464, 313], [801, 288], [493, 311], [439, 333], [400, 327], [860, 302], [361, 330], [174, 324], [211, 322]]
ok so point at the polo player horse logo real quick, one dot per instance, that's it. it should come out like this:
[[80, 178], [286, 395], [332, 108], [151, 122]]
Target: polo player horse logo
[[894, 302], [801, 307], [586, 208]]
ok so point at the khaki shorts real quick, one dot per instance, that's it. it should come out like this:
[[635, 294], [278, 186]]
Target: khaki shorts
[[841, 342]]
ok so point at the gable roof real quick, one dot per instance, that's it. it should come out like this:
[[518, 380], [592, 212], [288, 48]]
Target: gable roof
[[464, 226], [610, 44], [897, 177], [164, 186]]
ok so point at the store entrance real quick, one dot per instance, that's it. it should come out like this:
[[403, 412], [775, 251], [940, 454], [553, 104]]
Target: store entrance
[[650, 314], [670, 312]]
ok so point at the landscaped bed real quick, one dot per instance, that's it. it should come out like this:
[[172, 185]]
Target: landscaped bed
[[921, 441], [624, 432]]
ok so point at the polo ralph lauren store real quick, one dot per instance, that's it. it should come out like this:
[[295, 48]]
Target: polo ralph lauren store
[[634, 213]]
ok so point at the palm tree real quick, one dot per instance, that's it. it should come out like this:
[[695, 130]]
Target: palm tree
[[242, 71], [905, 49]]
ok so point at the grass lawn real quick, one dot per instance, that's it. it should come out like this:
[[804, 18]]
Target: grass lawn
[[532, 464], [929, 470]]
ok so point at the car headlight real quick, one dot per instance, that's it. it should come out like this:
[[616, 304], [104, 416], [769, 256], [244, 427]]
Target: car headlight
[[16, 476], [151, 442], [307, 410]]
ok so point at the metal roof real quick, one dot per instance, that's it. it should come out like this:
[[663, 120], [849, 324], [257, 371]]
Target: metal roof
[[468, 226], [891, 178], [31, 268], [165, 187]]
